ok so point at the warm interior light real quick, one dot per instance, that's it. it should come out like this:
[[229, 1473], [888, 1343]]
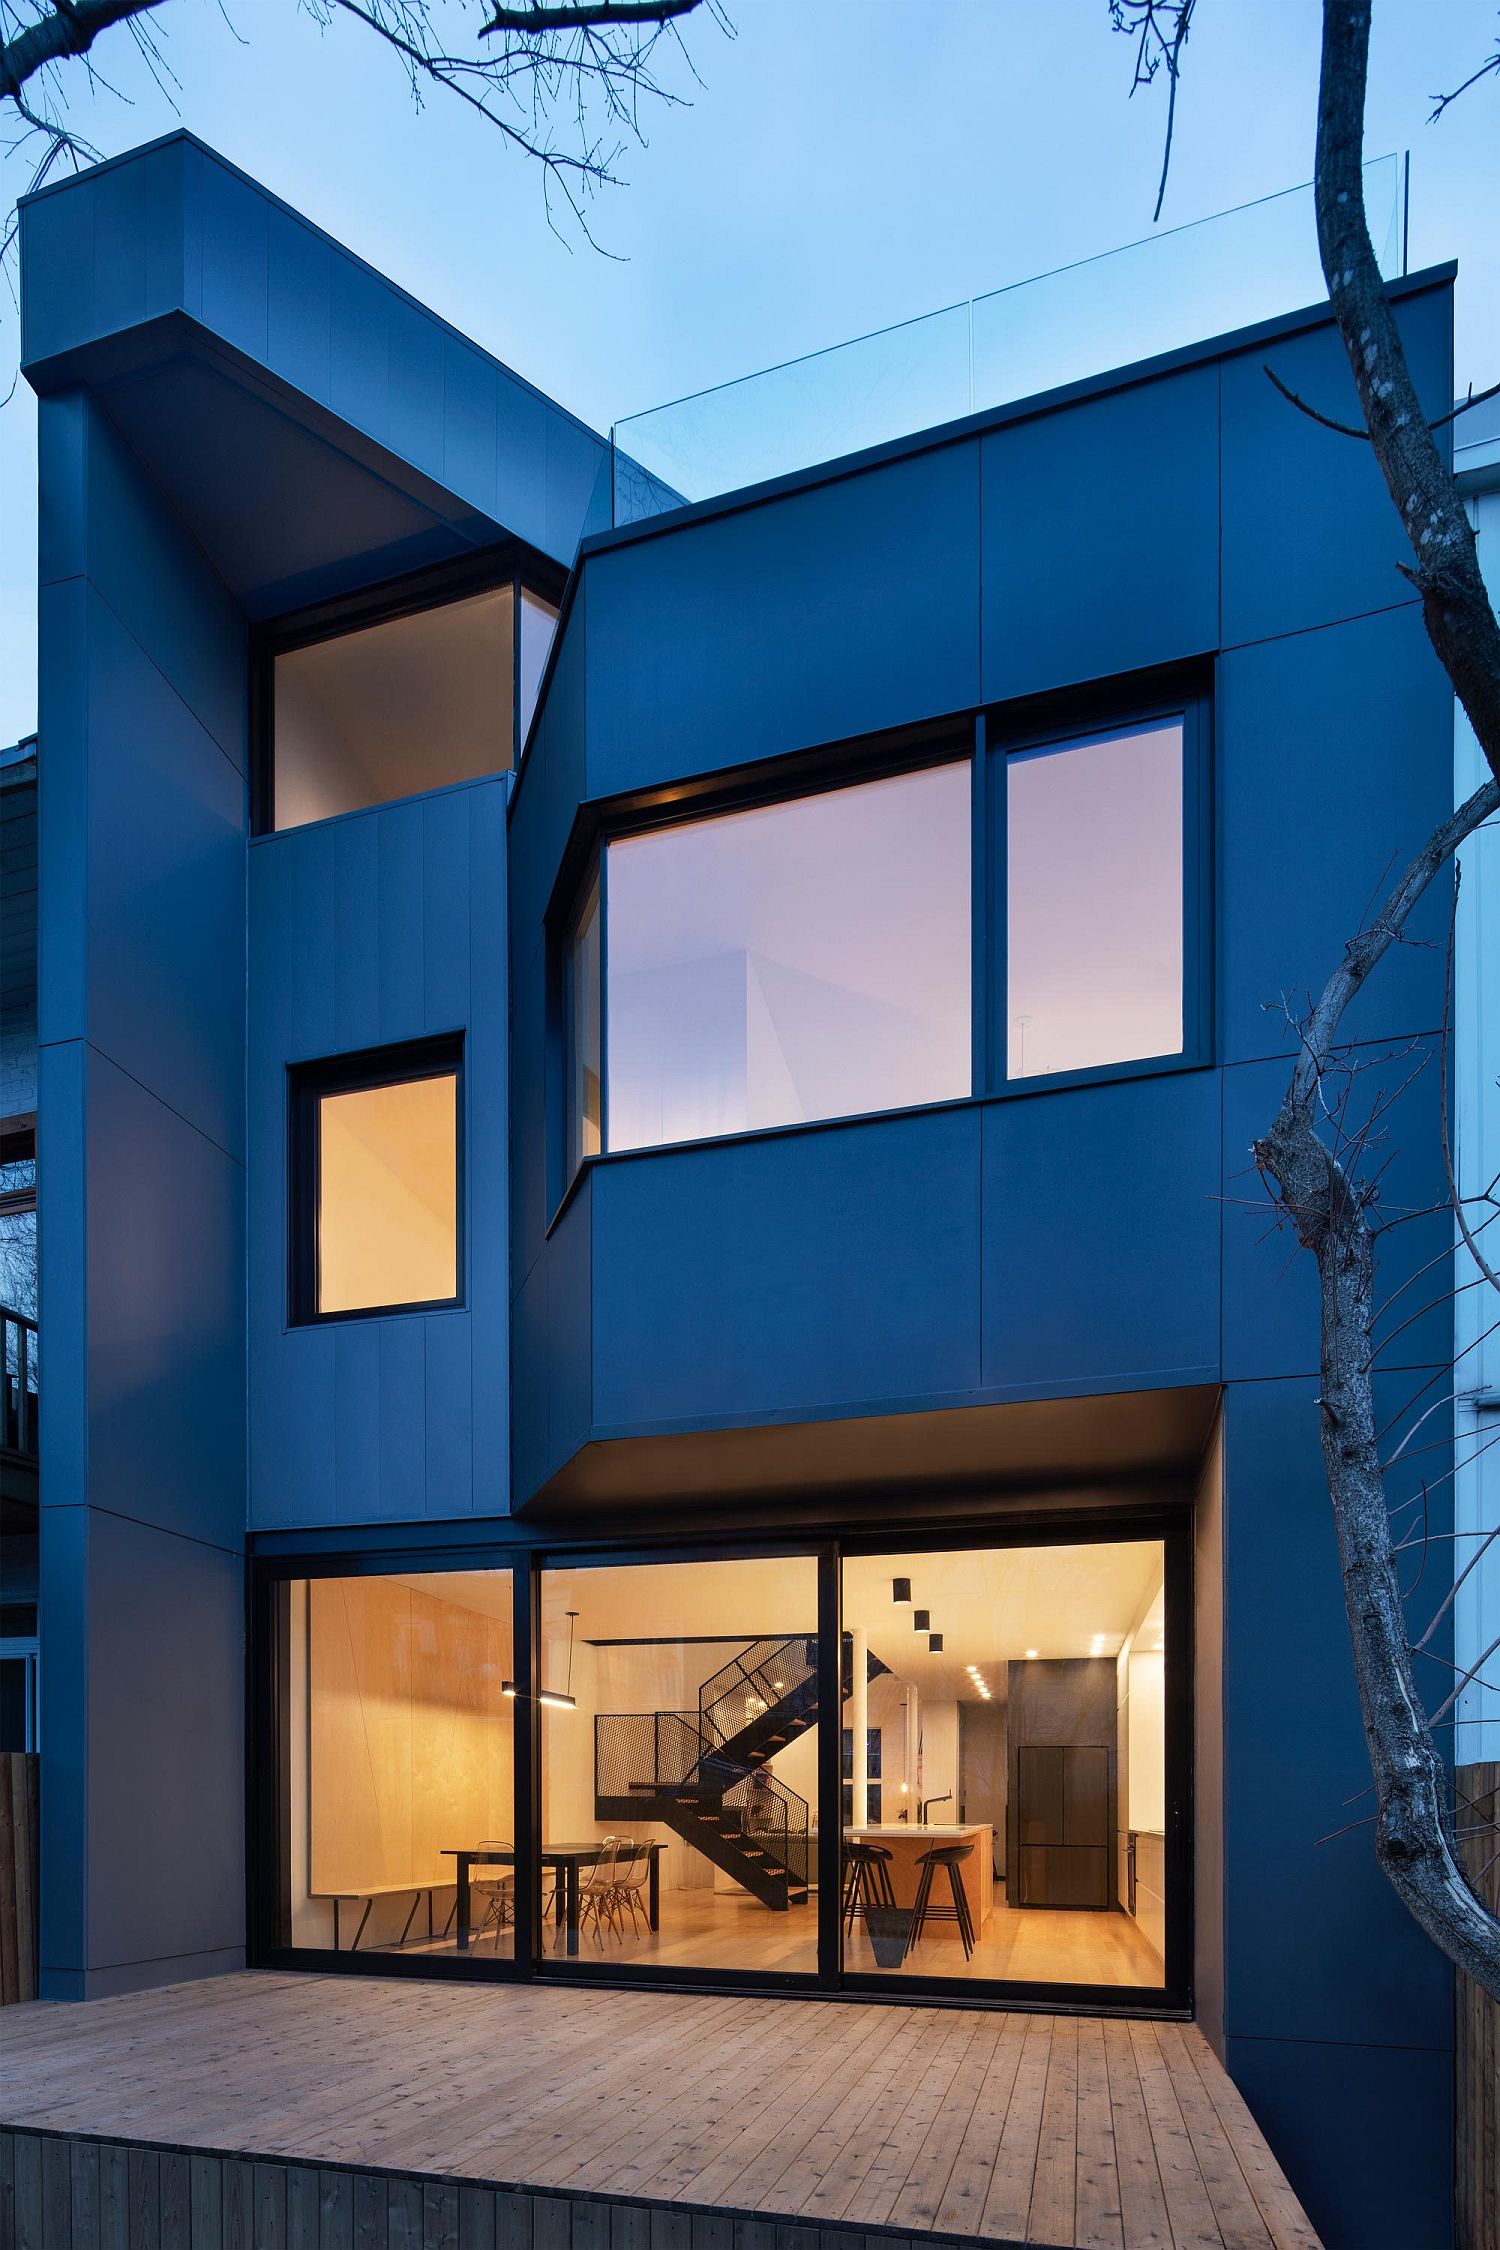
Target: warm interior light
[[1031, 1652]]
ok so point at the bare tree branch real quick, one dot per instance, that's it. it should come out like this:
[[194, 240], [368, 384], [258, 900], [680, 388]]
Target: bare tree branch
[[1317, 1184], [67, 28], [585, 14]]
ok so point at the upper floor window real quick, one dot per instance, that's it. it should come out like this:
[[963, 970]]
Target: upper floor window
[[822, 957], [376, 1177], [373, 700], [1094, 901], [787, 962]]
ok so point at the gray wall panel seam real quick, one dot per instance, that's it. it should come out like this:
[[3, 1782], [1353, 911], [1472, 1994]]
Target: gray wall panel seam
[[160, 1099], [86, 578], [1319, 625], [144, 1523]]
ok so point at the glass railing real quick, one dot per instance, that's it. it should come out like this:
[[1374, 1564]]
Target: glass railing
[[1161, 294]]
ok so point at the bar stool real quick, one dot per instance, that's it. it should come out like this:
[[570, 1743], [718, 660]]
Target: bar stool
[[867, 1881], [951, 1856]]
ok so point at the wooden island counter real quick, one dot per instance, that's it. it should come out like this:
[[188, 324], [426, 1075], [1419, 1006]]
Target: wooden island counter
[[906, 1843]]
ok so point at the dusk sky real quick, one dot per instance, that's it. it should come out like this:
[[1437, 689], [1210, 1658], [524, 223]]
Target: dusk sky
[[842, 165]]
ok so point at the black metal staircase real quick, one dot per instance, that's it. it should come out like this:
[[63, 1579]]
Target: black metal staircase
[[705, 1773]]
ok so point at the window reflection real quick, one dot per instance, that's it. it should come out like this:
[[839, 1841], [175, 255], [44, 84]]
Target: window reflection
[[1094, 903], [799, 960]]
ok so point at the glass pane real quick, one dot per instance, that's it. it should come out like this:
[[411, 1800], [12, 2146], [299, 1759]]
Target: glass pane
[[1094, 902], [399, 1757], [1015, 1773], [538, 624], [388, 1195], [801, 960], [583, 1101], [1177, 287], [413, 703], [688, 1740]]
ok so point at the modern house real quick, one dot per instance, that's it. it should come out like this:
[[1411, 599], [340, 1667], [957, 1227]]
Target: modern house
[[664, 1361]]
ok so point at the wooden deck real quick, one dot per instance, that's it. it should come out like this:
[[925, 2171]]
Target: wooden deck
[[318, 2113]]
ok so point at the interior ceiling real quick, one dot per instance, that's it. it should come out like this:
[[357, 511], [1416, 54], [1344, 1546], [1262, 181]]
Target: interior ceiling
[[992, 1605]]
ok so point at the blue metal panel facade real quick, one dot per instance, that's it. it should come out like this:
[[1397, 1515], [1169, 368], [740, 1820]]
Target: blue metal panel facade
[[379, 927], [141, 1177], [1085, 1240]]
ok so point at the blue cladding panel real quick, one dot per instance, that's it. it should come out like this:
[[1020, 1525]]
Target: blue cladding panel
[[1364, 2134], [1271, 1285], [176, 229], [299, 306], [1317, 1945], [784, 1275], [1078, 1283], [107, 254], [165, 1714], [63, 1579], [380, 927], [1288, 565], [165, 1318], [166, 813], [1335, 763], [1101, 537], [829, 613]]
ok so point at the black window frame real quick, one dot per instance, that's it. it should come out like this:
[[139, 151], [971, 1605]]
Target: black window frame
[[986, 739], [933, 1522], [514, 564], [363, 1071]]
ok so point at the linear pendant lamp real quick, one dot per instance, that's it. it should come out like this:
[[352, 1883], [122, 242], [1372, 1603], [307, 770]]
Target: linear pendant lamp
[[560, 1699]]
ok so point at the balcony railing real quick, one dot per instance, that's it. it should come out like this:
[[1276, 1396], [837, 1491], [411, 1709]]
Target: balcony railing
[[1173, 289], [19, 1385]]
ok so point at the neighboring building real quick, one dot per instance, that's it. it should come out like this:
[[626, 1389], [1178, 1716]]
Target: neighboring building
[[1476, 1128], [645, 1143], [19, 1357]]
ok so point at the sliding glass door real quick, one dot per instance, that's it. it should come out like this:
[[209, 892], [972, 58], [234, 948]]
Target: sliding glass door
[[678, 1711], [949, 1767], [1005, 1729]]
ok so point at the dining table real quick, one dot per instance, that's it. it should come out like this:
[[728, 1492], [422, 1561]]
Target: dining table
[[567, 1862]]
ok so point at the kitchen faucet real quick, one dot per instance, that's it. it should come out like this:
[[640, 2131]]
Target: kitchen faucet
[[925, 1805]]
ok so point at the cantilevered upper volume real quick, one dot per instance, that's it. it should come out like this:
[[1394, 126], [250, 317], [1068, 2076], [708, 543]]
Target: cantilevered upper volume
[[367, 437]]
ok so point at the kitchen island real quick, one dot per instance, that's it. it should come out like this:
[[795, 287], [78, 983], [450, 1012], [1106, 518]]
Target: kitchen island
[[906, 1843]]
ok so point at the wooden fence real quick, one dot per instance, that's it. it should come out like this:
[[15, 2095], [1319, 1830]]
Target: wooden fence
[[1477, 2140], [18, 1875]]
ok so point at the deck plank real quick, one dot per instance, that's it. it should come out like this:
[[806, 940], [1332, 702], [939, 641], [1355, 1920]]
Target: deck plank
[[354, 2113]]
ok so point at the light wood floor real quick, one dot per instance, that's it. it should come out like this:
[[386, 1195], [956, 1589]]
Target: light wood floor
[[727, 1930], [1065, 2131]]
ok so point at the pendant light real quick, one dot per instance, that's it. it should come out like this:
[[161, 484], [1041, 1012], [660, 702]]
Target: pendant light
[[559, 1699]]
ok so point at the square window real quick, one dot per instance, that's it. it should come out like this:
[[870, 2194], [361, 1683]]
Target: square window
[[376, 1182]]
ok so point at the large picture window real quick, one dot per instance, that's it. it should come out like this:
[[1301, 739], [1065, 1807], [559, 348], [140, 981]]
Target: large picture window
[[824, 955], [375, 1153], [792, 961]]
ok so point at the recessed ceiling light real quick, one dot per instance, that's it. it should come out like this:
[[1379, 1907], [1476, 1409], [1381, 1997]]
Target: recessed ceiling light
[[1031, 1652]]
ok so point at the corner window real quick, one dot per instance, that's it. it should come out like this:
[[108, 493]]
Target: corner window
[[397, 694], [375, 1152], [1094, 885], [793, 961]]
